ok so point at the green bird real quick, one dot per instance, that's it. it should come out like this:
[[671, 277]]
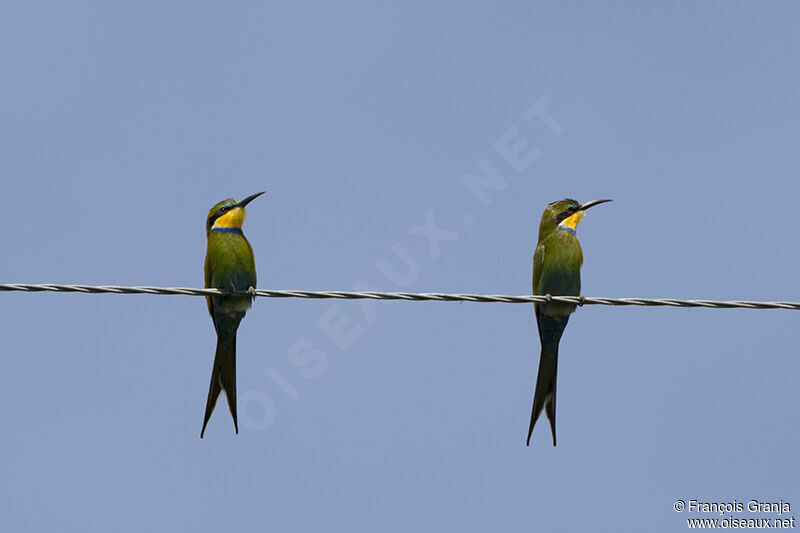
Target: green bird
[[557, 272], [229, 265]]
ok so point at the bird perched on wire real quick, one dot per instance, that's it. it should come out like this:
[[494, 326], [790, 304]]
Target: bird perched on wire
[[557, 272], [230, 265]]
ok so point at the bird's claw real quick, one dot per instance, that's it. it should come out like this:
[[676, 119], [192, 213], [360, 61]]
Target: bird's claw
[[252, 291], [548, 298], [580, 300]]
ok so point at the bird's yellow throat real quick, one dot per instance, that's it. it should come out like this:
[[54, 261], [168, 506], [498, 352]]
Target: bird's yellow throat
[[572, 221], [232, 219]]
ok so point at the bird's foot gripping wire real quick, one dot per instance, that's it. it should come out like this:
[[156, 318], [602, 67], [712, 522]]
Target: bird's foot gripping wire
[[580, 300], [548, 298], [252, 291]]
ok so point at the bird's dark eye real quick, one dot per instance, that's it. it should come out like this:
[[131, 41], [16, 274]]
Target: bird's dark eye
[[222, 210], [571, 209]]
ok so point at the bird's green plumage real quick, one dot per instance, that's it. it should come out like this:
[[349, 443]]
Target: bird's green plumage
[[557, 264], [556, 271], [230, 264]]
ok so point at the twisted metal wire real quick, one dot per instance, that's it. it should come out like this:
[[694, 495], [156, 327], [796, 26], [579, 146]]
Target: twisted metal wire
[[408, 296]]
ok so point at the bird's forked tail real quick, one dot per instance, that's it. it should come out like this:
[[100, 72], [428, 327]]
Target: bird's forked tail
[[545, 395], [223, 378], [550, 331]]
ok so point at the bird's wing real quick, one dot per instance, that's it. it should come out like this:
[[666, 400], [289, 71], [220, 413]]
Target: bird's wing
[[538, 266], [209, 300], [251, 266]]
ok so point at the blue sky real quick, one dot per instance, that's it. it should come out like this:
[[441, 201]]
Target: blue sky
[[123, 124]]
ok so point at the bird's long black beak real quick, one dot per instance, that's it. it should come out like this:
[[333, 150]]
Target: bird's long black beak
[[249, 199], [593, 203]]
